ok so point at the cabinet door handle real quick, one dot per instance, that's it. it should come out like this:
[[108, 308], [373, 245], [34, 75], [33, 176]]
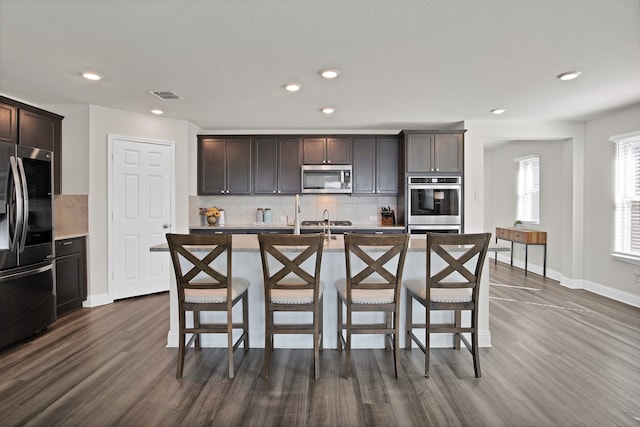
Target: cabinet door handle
[[67, 243]]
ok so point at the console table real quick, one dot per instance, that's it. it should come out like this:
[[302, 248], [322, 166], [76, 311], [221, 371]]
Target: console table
[[525, 237]]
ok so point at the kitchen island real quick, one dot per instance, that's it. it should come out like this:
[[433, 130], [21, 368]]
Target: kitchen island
[[247, 264]]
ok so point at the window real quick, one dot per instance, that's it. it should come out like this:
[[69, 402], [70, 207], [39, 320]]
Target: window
[[627, 200], [529, 189]]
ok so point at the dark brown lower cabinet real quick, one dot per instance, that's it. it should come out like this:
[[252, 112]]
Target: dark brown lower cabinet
[[71, 274]]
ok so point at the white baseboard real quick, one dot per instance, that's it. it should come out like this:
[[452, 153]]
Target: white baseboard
[[532, 268], [605, 291], [567, 282], [97, 300]]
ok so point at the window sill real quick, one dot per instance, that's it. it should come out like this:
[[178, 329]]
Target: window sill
[[630, 259]]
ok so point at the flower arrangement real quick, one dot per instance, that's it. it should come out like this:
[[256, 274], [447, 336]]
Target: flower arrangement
[[213, 212], [210, 215]]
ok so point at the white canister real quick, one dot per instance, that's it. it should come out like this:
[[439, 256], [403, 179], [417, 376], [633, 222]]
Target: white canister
[[267, 216], [221, 218], [259, 215]]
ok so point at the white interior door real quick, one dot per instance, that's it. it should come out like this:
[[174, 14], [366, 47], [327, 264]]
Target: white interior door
[[142, 208]]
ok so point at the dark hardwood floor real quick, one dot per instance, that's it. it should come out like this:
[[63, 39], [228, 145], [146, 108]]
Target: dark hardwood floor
[[559, 357]]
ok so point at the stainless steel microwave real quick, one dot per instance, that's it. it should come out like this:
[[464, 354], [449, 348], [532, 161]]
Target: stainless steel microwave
[[326, 179]]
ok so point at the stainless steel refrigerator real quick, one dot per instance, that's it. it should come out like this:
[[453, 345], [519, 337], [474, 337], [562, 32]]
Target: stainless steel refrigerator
[[27, 297]]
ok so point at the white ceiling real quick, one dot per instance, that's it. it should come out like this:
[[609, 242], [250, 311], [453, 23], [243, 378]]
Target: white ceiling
[[404, 63]]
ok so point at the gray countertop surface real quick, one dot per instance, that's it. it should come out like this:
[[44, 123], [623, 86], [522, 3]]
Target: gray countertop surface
[[275, 226], [63, 236], [249, 243]]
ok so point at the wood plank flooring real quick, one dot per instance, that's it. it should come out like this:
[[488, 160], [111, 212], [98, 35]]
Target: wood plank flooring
[[559, 357]]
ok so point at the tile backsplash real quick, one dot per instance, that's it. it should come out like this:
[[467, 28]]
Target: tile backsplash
[[242, 209], [71, 214]]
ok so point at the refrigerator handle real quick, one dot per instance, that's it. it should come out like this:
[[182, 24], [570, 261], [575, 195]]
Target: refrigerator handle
[[25, 212], [13, 243]]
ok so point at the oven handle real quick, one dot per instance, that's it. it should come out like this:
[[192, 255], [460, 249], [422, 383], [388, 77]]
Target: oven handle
[[435, 187]]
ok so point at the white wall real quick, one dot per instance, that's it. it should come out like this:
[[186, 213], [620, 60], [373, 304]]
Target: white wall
[[599, 268], [480, 133], [105, 121], [555, 196], [75, 147], [586, 176]]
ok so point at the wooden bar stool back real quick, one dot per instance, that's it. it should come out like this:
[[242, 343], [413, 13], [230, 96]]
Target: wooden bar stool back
[[454, 287], [204, 287], [288, 286], [374, 266]]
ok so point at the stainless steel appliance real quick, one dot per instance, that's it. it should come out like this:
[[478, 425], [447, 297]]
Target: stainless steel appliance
[[434, 202], [325, 179], [424, 229], [27, 299]]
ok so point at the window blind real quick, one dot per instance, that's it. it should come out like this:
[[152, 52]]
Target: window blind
[[529, 189], [627, 207]]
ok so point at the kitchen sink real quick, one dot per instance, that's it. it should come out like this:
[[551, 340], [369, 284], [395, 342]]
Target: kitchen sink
[[320, 223]]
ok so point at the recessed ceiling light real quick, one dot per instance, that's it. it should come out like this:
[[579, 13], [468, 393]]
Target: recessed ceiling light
[[569, 75], [498, 110], [328, 110], [293, 87], [330, 73], [92, 76], [157, 112]]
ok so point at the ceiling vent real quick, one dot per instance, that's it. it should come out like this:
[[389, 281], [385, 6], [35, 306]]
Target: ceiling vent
[[165, 94]]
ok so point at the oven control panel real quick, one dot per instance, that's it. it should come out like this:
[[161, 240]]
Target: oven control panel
[[434, 180]]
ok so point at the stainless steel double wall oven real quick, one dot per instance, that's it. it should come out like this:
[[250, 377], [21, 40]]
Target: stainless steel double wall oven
[[434, 204]]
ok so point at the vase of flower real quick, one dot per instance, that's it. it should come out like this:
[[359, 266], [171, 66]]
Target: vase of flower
[[212, 215]]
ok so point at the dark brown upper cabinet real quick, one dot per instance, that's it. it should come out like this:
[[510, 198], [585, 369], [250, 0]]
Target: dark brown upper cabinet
[[320, 151], [33, 127], [387, 165], [375, 165], [277, 163], [224, 165], [8, 123], [439, 152]]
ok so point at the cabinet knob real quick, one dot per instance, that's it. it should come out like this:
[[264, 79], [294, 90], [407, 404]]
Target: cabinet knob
[[279, 191], [328, 161], [222, 192], [165, 225]]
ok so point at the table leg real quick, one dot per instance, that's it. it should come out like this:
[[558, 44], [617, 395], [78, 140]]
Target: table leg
[[511, 254], [544, 262], [526, 257]]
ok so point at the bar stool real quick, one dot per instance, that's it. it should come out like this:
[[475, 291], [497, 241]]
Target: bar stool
[[290, 287], [454, 287], [201, 287], [372, 284]]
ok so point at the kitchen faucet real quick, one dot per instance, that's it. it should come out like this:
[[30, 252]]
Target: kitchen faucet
[[326, 221]]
